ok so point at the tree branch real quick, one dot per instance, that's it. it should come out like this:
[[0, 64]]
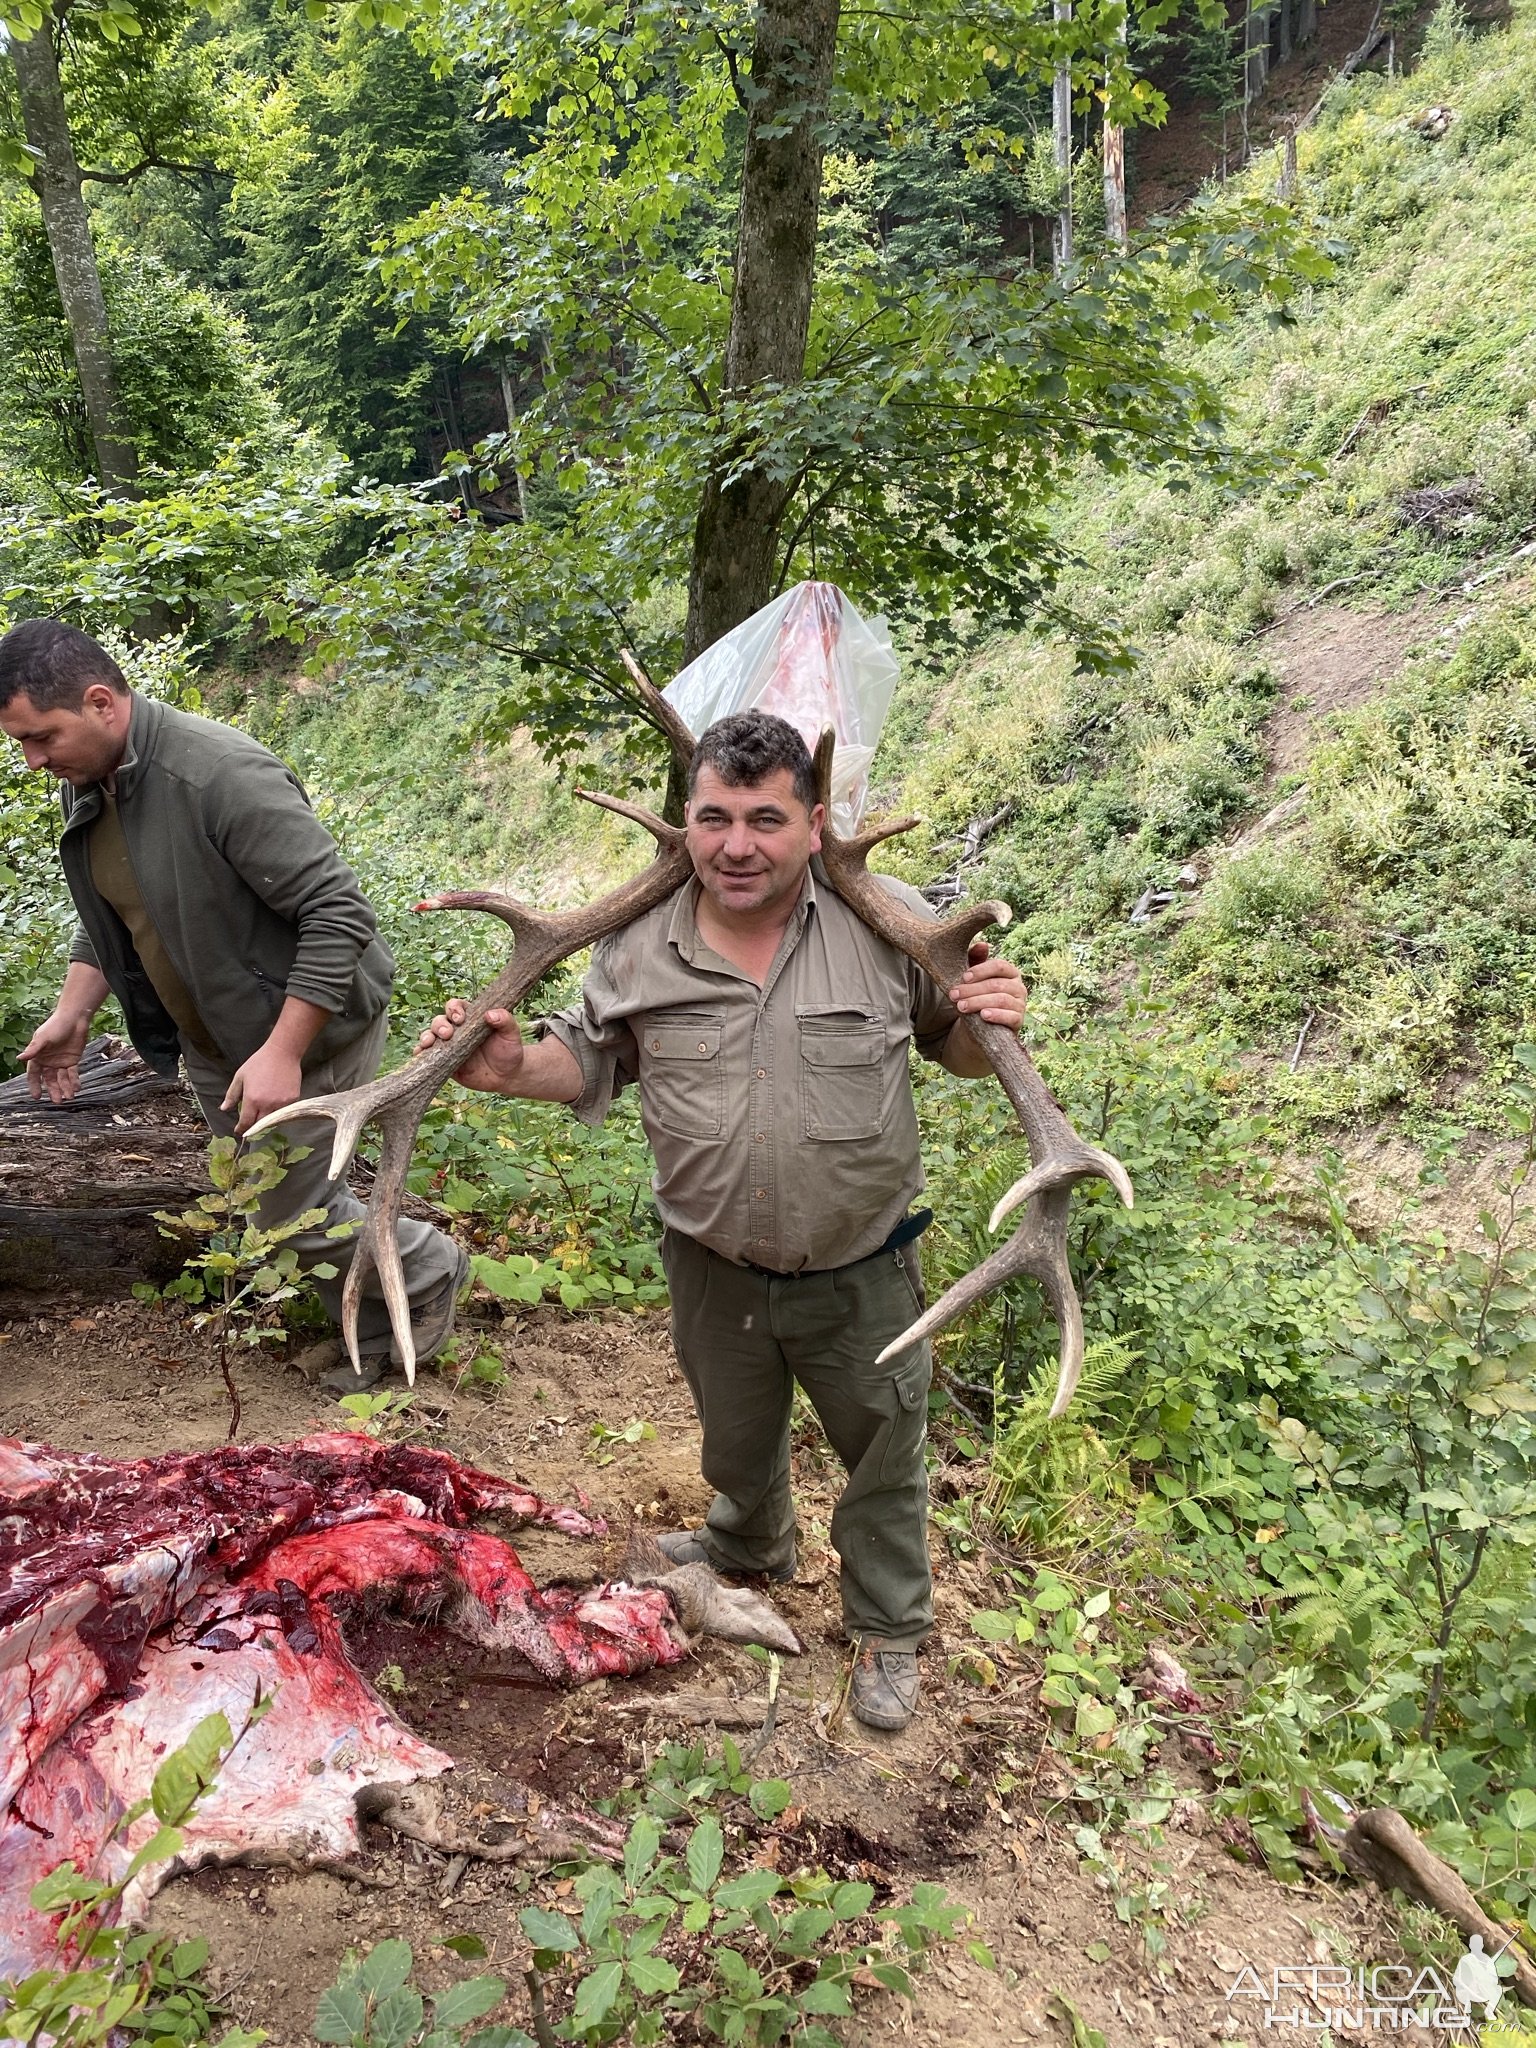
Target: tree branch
[[732, 66], [154, 162]]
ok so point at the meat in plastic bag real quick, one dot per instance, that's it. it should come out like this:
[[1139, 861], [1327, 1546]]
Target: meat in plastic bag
[[809, 657]]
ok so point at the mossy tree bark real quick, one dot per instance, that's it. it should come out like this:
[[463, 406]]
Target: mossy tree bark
[[735, 543], [56, 176]]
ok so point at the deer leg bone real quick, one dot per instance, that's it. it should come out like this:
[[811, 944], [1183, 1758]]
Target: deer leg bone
[[396, 1102], [1060, 1158]]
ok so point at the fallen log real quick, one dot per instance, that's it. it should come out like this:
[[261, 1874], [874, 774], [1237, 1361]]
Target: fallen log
[[80, 1183], [1380, 1844]]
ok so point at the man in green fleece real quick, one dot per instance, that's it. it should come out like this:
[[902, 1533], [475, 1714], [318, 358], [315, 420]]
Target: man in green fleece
[[214, 905]]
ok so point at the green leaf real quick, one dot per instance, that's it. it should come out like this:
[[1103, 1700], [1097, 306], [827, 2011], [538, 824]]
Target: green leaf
[[396, 2019], [652, 1975], [752, 1888], [993, 1625], [1520, 1808], [828, 1996], [341, 2015], [1093, 1718], [596, 1993], [471, 2000], [1083, 2036], [385, 1968], [850, 1901], [469, 1946], [770, 1797], [549, 1930], [706, 1853], [640, 1850]]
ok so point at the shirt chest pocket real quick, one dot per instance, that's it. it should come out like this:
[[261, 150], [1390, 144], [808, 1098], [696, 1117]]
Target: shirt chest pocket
[[682, 1074], [842, 1073]]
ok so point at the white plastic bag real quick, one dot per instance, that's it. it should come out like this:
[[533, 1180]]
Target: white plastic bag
[[814, 661]]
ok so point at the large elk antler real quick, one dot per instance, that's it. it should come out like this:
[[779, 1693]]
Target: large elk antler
[[1059, 1157], [396, 1102]]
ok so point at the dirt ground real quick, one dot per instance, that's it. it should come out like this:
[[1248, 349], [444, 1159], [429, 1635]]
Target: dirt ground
[[131, 1381]]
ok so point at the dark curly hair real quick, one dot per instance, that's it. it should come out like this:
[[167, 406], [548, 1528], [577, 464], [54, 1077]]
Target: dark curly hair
[[746, 748], [54, 665]]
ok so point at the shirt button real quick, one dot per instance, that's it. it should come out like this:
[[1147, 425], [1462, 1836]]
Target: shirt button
[[703, 1048], [655, 1045], [762, 1240], [761, 1194], [762, 1073], [760, 1137]]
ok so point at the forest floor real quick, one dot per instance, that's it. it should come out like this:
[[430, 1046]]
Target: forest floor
[[924, 1805]]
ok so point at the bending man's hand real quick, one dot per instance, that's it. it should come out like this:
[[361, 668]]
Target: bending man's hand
[[51, 1056], [496, 1065], [270, 1079], [992, 989]]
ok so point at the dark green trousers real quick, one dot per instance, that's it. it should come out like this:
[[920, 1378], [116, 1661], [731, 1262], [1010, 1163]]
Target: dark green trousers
[[743, 1338]]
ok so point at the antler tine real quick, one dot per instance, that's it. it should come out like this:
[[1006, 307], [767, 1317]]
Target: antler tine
[[376, 1248], [664, 834], [1060, 1159], [396, 1102], [679, 737], [518, 915], [1038, 1248]]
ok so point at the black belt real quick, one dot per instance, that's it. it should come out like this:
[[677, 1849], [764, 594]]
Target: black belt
[[909, 1228]]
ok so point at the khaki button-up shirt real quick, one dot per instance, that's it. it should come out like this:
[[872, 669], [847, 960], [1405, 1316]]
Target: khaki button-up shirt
[[781, 1117]]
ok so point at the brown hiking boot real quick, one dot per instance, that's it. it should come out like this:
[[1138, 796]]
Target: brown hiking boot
[[885, 1685]]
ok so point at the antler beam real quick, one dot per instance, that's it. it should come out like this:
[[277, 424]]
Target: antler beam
[[1060, 1158]]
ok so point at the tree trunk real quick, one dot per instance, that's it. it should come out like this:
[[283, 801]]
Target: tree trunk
[[1061, 137], [1285, 30], [1286, 188], [736, 534], [509, 407], [1114, 178], [56, 174], [1114, 185], [1256, 57], [1306, 21]]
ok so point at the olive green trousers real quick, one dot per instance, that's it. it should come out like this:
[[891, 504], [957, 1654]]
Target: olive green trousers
[[743, 1338]]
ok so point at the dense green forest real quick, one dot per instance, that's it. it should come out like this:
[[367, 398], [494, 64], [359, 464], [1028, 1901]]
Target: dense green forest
[[434, 388]]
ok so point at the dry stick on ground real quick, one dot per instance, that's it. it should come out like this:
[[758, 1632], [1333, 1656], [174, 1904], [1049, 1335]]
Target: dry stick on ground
[[1381, 1845], [693, 1709], [1301, 1040]]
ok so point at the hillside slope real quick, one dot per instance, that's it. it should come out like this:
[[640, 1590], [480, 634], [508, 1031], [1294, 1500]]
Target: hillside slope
[[1395, 413]]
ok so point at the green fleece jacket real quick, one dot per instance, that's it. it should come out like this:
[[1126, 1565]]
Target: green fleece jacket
[[251, 899]]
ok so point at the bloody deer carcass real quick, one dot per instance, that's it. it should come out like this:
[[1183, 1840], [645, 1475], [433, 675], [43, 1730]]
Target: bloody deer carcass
[[139, 1596]]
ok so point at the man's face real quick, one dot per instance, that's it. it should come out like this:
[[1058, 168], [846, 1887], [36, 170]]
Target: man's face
[[79, 747], [750, 845]]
